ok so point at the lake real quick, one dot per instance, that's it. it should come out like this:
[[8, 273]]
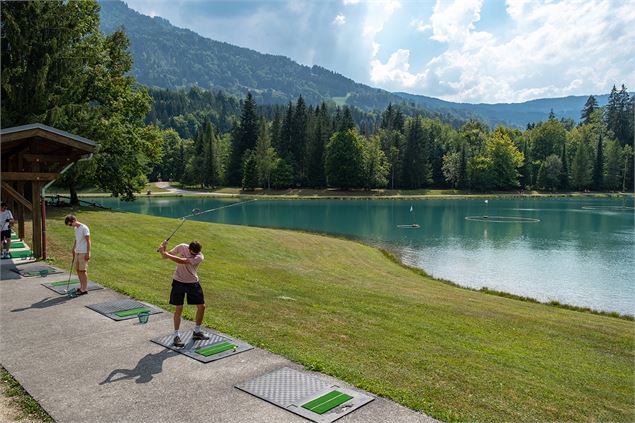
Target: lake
[[581, 251]]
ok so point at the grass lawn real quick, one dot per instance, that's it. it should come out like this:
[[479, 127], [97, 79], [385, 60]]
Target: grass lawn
[[345, 309]]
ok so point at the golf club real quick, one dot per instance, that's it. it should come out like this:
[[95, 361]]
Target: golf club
[[194, 213], [70, 274]]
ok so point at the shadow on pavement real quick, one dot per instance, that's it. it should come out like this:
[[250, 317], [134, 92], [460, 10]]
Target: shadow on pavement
[[46, 302], [145, 370]]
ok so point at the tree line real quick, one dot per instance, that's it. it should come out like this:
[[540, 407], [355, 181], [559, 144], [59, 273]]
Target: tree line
[[323, 146]]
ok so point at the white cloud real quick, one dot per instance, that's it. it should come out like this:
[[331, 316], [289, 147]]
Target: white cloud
[[419, 25], [339, 20], [395, 71], [347, 2], [378, 13], [551, 49]]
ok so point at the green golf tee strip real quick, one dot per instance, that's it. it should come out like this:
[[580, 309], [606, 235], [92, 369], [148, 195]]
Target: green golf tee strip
[[17, 244], [327, 402], [131, 312], [20, 254], [214, 349], [60, 283]]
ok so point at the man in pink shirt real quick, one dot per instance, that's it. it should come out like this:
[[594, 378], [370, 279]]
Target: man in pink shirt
[[185, 282]]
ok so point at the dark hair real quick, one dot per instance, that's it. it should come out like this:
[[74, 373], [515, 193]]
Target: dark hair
[[3, 204], [195, 247], [70, 218]]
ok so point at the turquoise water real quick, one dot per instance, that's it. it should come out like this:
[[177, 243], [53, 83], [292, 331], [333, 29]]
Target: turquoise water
[[574, 255]]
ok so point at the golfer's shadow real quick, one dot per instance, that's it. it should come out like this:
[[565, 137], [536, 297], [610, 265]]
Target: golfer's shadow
[[46, 302], [144, 371]]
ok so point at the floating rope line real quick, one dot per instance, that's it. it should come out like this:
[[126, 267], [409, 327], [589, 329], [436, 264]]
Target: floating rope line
[[502, 219], [218, 208], [608, 208]]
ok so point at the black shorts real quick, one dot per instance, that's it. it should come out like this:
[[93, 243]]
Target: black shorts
[[193, 290], [6, 234]]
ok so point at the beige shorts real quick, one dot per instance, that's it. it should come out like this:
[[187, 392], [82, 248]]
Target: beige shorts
[[81, 264]]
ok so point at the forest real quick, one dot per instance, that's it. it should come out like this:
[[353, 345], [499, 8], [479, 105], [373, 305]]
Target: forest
[[213, 139]]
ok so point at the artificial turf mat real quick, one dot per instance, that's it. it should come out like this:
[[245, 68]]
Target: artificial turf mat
[[132, 312], [327, 402], [60, 283], [18, 244], [21, 254], [214, 349]]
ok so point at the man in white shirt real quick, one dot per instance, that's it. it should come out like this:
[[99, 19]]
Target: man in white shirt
[[6, 219], [81, 251]]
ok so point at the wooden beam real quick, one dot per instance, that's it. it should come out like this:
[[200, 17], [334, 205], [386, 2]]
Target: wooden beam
[[29, 176], [41, 133], [16, 195], [47, 158]]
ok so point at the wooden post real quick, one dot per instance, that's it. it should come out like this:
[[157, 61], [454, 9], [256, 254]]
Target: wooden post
[[21, 212], [37, 219]]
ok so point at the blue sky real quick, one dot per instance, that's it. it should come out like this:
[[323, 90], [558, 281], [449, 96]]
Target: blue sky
[[474, 51]]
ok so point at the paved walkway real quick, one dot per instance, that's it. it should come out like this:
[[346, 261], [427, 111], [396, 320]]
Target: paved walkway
[[63, 353]]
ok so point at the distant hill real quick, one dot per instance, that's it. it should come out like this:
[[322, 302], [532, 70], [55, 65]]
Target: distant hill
[[169, 57]]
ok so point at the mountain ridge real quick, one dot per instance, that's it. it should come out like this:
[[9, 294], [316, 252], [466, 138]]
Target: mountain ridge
[[166, 56]]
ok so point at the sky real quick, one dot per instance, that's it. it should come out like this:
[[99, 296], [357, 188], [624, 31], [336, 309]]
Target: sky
[[473, 51]]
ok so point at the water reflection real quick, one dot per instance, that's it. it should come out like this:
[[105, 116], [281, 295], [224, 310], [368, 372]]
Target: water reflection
[[573, 255]]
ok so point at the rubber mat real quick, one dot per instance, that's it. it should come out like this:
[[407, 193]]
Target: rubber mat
[[111, 308], [30, 271], [60, 286], [294, 390], [216, 347]]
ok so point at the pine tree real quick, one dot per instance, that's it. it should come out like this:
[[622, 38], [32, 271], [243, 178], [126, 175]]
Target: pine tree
[[564, 173], [299, 140], [598, 167], [347, 120], [416, 165], [244, 138], [209, 172], [581, 168], [612, 111], [589, 107], [614, 166], [250, 171]]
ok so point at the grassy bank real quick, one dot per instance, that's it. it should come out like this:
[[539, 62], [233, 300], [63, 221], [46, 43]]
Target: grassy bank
[[20, 406], [346, 309]]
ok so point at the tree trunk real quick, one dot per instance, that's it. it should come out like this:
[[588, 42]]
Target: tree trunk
[[74, 197]]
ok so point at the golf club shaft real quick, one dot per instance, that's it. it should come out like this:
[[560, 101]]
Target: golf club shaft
[[177, 228], [70, 273]]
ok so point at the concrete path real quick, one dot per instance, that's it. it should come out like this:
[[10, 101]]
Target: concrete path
[[63, 354]]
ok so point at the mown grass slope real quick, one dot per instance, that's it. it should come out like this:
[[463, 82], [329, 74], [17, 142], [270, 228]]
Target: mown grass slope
[[345, 309]]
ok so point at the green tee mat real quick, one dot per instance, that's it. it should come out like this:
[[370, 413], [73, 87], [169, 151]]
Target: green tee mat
[[327, 402], [132, 312], [217, 347], [14, 237], [214, 349], [60, 283], [19, 244], [21, 254]]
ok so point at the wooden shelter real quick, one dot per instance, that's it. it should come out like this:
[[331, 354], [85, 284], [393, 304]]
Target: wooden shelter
[[32, 157]]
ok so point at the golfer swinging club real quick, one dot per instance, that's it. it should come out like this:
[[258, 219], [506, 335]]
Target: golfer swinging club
[[185, 281]]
